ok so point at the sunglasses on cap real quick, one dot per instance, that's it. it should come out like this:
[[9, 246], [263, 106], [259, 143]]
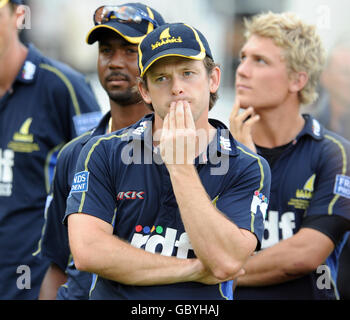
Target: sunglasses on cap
[[123, 14]]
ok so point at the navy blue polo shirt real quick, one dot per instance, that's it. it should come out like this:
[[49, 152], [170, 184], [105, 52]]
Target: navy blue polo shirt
[[310, 178], [54, 243], [122, 180], [47, 105]]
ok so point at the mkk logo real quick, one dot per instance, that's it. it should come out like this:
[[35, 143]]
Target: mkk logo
[[130, 195], [143, 238]]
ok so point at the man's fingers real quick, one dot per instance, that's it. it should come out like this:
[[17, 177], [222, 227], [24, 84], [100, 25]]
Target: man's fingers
[[236, 107], [180, 115], [189, 121], [251, 121], [172, 120]]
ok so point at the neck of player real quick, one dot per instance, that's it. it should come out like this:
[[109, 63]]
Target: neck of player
[[11, 61], [278, 126], [124, 116]]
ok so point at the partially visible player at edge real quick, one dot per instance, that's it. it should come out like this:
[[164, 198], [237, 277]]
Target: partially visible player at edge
[[117, 68], [43, 105], [309, 211]]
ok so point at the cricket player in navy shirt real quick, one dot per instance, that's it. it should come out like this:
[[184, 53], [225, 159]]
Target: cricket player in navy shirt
[[309, 210], [118, 39], [43, 105], [172, 207]]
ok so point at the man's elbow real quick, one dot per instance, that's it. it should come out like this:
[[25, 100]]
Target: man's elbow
[[304, 266], [226, 271], [81, 259]]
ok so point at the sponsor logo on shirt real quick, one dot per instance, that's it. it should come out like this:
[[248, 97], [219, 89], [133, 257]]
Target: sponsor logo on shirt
[[28, 70], [141, 129], [131, 195], [261, 201], [151, 238], [304, 195], [316, 128], [23, 140], [6, 172], [225, 143], [86, 121], [342, 186], [80, 182]]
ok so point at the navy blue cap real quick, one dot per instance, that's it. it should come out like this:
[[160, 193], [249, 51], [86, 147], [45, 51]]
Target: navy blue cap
[[174, 39], [3, 2], [132, 32]]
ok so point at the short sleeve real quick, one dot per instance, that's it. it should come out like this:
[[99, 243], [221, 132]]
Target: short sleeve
[[245, 201], [331, 195], [92, 190], [55, 236]]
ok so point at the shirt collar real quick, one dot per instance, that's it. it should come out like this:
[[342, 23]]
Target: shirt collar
[[223, 142], [30, 67], [312, 128]]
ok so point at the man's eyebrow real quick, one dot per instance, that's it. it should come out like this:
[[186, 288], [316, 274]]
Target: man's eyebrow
[[254, 55]]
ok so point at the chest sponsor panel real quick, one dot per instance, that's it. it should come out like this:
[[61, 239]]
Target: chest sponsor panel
[[164, 241], [278, 227]]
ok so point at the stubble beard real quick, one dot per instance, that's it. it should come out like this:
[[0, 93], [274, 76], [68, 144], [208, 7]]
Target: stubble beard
[[128, 97]]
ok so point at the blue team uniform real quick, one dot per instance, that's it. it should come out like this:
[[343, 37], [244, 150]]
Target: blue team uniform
[[310, 182], [48, 105], [121, 179], [54, 244]]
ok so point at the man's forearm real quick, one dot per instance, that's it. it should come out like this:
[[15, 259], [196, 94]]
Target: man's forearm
[[54, 278], [217, 242], [97, 251], [287, 260]]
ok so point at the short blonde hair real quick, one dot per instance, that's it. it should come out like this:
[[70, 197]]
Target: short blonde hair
[[303, 49]]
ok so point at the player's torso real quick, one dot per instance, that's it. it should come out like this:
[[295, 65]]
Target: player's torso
[[27, 145], [292, 186], [147, 214]]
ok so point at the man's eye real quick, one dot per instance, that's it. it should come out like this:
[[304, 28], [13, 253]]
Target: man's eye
[[261, 60], [160, 79], [131, 50], [105, 50], [188, 73], [242, 58]]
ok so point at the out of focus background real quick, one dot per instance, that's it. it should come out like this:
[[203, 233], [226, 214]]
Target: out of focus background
[[59, 28]]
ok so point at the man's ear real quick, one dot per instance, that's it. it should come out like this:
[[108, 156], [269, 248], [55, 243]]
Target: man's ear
[[298, 81], [144, 92], [214, 79]]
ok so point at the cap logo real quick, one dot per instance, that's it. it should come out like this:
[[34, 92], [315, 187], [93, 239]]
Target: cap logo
[[165, 38]]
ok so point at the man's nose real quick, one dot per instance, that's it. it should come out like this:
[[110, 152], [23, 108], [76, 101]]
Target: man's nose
[[243, 69], [117, 60], [177, 87]]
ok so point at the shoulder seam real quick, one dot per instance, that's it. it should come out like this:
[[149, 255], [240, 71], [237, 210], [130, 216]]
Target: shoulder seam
[[342, 149], [92, 149], [67, 83]]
